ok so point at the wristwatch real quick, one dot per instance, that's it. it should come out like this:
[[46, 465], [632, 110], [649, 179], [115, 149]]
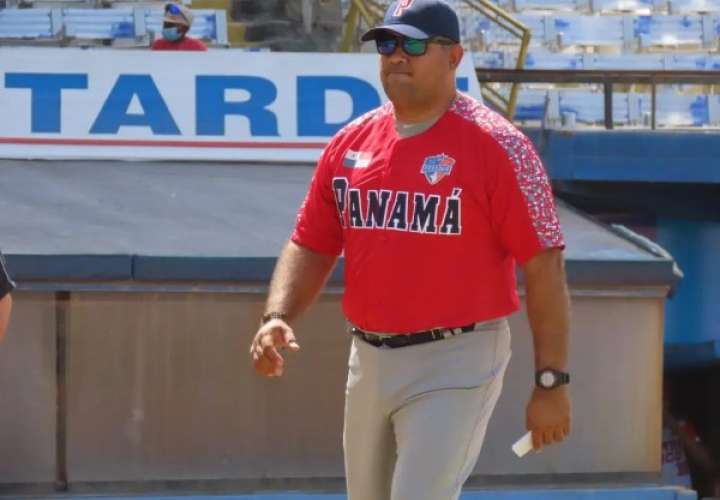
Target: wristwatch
[[272, 315], [549, 378]]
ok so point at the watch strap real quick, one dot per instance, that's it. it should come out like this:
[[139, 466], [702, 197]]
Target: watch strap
[[561, 378]]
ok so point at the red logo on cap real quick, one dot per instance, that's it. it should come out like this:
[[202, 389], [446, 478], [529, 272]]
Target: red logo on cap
[[402, 6]]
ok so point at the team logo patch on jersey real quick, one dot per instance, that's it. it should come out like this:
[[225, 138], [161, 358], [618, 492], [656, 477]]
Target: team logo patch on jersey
[[357, 159], [435, 168]]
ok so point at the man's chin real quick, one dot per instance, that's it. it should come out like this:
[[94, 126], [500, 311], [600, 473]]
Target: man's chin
[[399, 78], [394, 88]]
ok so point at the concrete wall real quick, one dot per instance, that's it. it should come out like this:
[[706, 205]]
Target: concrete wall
[[160, 387], [28, 391]]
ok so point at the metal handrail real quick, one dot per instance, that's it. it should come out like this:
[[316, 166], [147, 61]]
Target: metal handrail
[[516, 28], [368, 11], [371, 12], [604, 77]]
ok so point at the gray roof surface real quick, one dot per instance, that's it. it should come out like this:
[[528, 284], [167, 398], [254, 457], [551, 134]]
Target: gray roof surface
[[106, 220]]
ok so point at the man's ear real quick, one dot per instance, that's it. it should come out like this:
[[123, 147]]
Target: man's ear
[[456, 55]]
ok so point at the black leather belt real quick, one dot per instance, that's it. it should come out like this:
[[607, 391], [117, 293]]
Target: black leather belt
[[394, 341]]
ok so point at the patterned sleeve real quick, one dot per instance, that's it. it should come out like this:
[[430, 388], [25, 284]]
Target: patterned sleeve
[[318, 223], [522, 204], [6, 284]]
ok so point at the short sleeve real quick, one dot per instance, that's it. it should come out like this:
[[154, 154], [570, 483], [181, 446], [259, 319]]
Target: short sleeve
[[318, 226], [6, 284], [522, 205]]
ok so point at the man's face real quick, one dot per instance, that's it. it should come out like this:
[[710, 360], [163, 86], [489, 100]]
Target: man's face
[[416, 78]]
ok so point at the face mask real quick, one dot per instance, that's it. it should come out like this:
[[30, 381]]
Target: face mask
[[171, 34]]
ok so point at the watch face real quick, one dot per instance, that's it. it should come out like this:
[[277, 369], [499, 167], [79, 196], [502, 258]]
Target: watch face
[[547, 379]]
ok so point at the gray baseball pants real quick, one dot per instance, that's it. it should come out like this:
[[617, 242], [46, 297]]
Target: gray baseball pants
[[416, 416]]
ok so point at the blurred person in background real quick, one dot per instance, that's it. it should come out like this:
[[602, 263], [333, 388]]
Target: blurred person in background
[[686, 459], [6, 286], [176, 24]]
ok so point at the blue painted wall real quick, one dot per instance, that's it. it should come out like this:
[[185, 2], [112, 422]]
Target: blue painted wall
[[692, 318], [604, 155], [646, 160]]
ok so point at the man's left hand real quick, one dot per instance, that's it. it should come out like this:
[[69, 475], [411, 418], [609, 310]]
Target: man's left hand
[[549, 416]]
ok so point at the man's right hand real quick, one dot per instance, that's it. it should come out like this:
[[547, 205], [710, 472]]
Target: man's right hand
[[273, 336]]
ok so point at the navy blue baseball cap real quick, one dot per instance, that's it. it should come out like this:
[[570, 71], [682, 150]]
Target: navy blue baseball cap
[[421, 19]]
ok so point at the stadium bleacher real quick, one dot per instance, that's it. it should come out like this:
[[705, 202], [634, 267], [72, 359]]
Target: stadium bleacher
[[128, 26], [572, 107], [541, 59], [40, 25], [605, 35], [693, 6], [102, 24], [593, 33], [566, 34]]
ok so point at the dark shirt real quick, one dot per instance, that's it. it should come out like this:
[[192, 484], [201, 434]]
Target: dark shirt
[[6, 284]]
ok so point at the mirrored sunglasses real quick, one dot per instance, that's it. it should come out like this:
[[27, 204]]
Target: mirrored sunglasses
[[411, 46]]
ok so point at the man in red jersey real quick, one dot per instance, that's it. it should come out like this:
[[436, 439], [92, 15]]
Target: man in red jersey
[[433, 198], [6, 286], [176, 24]]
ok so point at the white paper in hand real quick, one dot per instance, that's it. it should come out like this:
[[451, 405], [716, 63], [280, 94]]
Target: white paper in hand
[[523, 445]]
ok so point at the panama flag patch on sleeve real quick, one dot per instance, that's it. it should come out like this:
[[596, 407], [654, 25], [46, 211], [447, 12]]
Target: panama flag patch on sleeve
[[356, 159]]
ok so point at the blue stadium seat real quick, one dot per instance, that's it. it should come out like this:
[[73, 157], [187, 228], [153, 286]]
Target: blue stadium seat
[[624, 61], [675, 32], [30, 24], [594, 31], [543, 59], [567, 108], [675, 110], [571, 107], [714, 110], [640, 7], [484, 59], [546, 5], [541, 28], [481, 33], [101, 24], [552, 60], [531, 106], [694, 6], [687, 62]]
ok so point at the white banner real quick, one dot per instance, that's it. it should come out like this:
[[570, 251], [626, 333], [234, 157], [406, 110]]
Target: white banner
[[216, 105]]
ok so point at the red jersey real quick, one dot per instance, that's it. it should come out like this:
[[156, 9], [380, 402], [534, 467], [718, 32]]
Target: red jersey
[[186, 43], [432, 224]]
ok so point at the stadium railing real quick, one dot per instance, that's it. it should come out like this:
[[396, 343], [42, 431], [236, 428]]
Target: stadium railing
[[542, 59], [566, 107]]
